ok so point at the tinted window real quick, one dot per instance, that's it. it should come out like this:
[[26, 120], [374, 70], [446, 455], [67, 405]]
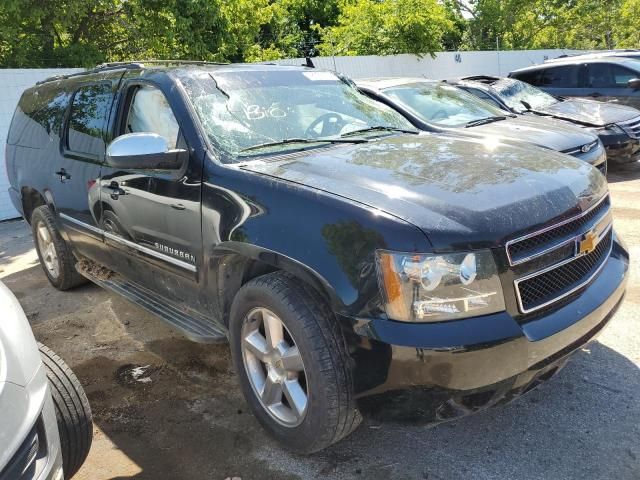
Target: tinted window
[[89, 112], [38, 115], [150, 112], [603, 75], [560, 77], [532, 77]]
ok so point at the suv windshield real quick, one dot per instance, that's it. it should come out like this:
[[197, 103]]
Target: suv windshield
[[442, 104], [252, 112], [514, 93]]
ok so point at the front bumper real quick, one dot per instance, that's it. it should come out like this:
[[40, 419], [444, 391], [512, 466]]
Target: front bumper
[[621, 148], [461, 366], [28, 419]]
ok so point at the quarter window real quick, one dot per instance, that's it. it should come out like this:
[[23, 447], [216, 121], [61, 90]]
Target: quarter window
[[150, 113], [88, 117]]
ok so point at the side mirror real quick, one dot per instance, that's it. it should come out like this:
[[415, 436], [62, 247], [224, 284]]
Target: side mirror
[[144, 151], [634, 83]]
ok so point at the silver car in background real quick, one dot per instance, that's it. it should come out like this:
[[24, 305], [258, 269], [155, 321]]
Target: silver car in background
[[32, 446]]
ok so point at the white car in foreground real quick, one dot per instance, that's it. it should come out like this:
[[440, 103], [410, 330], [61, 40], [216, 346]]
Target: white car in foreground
[[45, 419]]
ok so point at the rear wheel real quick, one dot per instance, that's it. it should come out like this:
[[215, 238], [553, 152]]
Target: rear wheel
[[75, 424], [292, 363], [55, 255]]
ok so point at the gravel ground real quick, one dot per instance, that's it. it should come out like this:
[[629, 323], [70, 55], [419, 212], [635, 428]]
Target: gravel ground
[[181, 416]]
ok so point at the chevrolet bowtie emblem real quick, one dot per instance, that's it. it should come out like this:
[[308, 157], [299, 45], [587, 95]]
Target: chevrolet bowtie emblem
[[588, 243]]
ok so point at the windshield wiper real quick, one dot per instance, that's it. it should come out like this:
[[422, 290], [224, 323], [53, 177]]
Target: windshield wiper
[[286, 141], [483, 121], [528, 108], [378, 128]]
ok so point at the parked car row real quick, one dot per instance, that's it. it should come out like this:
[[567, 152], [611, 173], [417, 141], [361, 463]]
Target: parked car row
[[351, 247], [617, 126], [439, 107]]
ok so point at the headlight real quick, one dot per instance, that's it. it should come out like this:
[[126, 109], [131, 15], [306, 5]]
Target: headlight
[[435, 288], [611, 129]]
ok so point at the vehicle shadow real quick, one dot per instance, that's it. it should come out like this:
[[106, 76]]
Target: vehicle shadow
[[581, 424], [623, 173], [189, 420]]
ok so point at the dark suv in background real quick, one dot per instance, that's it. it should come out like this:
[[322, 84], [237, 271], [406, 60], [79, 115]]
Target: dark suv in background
[[617, 126], [606, 79], [343, 255]]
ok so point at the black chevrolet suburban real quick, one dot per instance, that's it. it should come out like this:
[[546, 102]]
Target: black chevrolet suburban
[[345, 257]]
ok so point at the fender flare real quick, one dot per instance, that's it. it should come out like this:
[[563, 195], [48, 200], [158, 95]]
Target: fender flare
[[279, 261]]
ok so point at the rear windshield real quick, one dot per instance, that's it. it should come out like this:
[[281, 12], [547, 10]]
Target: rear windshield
[[242, 110], [441, 104]]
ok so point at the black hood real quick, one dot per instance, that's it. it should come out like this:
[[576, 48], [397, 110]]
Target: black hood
[[544, 132], [463, 193], [590, 113]]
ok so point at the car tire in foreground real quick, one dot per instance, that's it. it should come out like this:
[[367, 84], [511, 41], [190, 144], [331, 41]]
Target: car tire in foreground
[[292, 363], [75, 424], [55, 256]]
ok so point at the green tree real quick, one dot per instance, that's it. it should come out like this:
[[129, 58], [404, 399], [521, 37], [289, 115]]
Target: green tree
[[387, 27]]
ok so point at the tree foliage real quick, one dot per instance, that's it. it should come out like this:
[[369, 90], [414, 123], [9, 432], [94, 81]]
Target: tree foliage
[[371, 27], [47, 33]]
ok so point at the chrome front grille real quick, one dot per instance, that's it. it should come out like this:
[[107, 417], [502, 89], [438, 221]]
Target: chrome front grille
[[553, 284], [532, 245], [631, 127], [552, 263]]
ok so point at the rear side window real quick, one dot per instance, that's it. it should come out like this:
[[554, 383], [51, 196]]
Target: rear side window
[[560, 77], [603, 75], [88, 116]]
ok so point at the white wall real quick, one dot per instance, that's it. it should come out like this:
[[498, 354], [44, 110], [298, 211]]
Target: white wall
[[12, 83], [445, 65]]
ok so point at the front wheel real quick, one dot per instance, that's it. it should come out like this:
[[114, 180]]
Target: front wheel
[[292, 363]]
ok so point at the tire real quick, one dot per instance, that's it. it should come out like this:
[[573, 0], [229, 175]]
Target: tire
[[65, 275], [75, 424], [331, 412]]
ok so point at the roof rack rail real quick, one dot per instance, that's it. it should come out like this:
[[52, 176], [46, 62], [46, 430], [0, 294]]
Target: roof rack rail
[[99, 68], [142, 63], [132, 64]]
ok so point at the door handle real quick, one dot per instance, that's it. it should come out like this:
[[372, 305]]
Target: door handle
[[177, 206], [116, 191], [595, 95], [63, 175]]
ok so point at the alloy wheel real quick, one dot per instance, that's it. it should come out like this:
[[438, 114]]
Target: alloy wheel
[[274, 367], [48, 250]]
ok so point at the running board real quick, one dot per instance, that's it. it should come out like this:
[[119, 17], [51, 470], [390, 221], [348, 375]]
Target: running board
[[191, 324]]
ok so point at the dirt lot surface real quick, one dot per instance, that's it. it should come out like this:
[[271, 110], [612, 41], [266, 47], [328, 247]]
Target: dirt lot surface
[[180, 415]]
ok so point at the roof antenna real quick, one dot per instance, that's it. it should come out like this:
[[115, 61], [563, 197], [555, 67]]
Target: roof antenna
[[308, 62]]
